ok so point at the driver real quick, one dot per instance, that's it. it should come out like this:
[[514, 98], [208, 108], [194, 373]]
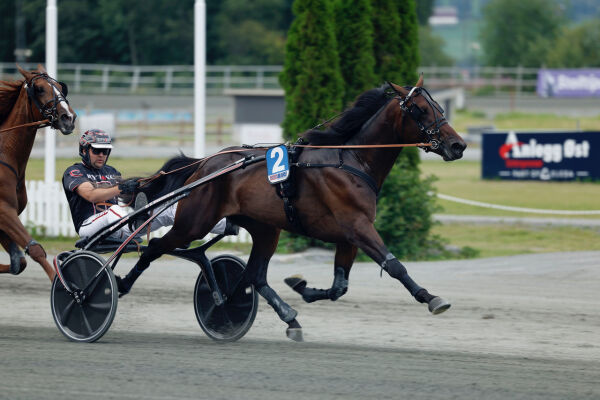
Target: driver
[[92, 188]]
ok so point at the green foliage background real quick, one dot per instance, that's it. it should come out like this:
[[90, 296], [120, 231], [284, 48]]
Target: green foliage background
[[577, 47], [354, 33], [311, 76], [517, 32], [557, 33]]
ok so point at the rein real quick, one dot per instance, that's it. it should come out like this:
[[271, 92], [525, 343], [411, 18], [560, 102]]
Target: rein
[[364, 146], [41, 124], [146, 181]]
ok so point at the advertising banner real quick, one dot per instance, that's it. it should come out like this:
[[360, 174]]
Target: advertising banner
[[541, 156], [568, 83]]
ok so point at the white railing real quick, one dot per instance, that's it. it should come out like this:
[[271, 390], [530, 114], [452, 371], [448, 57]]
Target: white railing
[[179, 79], [47, 213], [151, 79]]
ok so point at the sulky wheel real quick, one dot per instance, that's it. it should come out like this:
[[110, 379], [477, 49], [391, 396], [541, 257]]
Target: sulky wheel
[[231, 320], [86, 314]]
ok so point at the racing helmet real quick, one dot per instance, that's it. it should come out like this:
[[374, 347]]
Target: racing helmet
[[95, 138]]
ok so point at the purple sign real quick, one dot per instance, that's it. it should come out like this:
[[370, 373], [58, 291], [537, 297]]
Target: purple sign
[[568, 83]]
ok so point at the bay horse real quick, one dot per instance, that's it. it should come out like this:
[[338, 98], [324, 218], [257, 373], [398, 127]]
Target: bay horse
[[336, 194], [25, 106]]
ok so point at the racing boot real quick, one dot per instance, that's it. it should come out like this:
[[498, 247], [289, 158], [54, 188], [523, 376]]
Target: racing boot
[[141, 200]]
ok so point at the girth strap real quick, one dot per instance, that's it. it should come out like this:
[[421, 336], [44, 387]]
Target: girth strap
[[354, 171], [7, 165], [14, 171]]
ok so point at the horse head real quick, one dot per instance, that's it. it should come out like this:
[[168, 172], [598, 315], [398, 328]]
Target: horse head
[[50, 98], [427, 119]]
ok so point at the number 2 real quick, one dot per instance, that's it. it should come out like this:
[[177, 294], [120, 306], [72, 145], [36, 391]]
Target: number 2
[[277, 152]]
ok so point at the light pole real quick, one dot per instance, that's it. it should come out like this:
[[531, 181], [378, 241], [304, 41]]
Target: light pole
[[51, 51], [199, 77]]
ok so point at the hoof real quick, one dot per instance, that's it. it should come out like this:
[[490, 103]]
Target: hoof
[[122, 287], [17, 259], [295, 334], [296, 282], [437, 305]]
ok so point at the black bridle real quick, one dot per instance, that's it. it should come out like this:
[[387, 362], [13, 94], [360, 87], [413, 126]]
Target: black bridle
[[408, 105], [48, 109]]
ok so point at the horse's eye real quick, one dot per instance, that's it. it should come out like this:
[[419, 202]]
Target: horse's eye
[[39, 89]]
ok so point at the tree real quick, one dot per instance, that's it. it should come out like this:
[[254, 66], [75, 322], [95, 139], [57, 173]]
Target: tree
[[252, 32], [517, 32], [311, 74], [395, 41], [577, 47], [387, 27], [424, 11], [408, 40], [354, 33], [7, 30]]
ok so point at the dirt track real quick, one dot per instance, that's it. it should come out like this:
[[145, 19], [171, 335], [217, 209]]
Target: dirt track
[[520, 327]]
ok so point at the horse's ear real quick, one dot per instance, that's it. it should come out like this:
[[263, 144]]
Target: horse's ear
[[398, 89], [420, 81], [41, 69], [23, 72]]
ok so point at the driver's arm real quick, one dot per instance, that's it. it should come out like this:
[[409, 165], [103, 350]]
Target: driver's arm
[[96, 194]]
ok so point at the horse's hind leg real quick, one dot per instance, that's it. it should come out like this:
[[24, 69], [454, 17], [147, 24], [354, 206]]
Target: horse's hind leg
[[344, 257], [265, 238], [156, 248]]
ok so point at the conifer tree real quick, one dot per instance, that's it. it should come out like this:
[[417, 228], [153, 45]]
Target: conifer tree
[[405, 210], [354, 33], [387, 25], [409, 41], [311, 74]]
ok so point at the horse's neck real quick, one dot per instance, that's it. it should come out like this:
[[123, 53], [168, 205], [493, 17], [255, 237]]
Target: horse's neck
[[378, 162], [16, 145]]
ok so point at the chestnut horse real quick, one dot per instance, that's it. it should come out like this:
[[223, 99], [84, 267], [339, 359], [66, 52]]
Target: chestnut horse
[[336, 193], [25, 106]]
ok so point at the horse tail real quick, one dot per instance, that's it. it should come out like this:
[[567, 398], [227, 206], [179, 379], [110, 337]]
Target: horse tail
[[170, 177]]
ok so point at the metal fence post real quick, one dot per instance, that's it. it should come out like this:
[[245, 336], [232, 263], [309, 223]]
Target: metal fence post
[[77, 79], [105, 79], [168, 79], [135, 79]]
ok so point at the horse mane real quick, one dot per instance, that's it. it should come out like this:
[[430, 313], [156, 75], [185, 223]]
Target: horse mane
[[341, 130], [9, 92], [164, 184]]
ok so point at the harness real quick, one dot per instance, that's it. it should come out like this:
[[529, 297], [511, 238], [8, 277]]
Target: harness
[[287, 189], [48, 110]]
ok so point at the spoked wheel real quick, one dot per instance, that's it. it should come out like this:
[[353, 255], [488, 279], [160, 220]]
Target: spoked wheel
[[87, 314], [231, 320]]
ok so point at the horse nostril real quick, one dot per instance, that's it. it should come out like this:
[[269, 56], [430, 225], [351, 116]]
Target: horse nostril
[[66, 117], [458, 148]]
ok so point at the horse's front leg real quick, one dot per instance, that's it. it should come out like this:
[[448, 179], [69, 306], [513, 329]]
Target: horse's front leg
[[344, 258], [366, 238]]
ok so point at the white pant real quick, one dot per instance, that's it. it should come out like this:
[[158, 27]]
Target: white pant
[[98, 221]]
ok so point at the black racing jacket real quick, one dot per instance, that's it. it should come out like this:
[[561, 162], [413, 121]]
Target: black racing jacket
[[75, 175]]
